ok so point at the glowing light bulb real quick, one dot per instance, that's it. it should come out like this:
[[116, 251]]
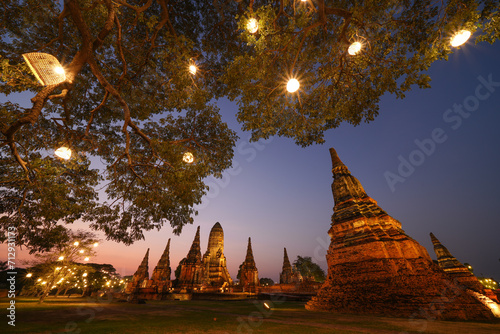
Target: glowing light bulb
[[460, 38], [84, 275], [81, 251], [86, 258], [188, 157], [29, 275], [63, 152], [354, 48], [61, 258], [96, 244], [293, 85], [252, 26], [192, 69], [59, 70], [76, 243]]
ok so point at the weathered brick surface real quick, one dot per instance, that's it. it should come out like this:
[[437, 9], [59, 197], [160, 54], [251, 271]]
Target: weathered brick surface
[[288, 274], [249, 275], [454, 268], [161, 273], [214, 262], [140, 276], [375, 268], [191, 266]]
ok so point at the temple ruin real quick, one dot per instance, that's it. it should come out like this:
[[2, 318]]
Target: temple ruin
[[191, 266], [214, 262], [375, 268], [141, 276], [249, 275], [457, 271], [289, 274], [161, 274]]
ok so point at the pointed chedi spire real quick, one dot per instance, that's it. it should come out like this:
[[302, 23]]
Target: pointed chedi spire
[[286, 275], [249, 275], [195, 250], [454, 268], [286, 261], [162, 271], [351, 200], [444, 257], [249, 257], [140, 275], [144, 266], [191, 266]]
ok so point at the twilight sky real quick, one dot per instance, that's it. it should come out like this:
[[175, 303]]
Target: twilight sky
[[431, 161]]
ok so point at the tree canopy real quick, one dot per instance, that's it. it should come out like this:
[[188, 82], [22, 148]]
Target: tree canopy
[[309, 270], [131, 106]]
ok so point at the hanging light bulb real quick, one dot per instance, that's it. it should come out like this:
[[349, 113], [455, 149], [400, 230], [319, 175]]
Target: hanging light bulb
[[59, 70], [63, 152], [96, 244], [354, 48], [252, 26], [188, 158], [86, 258], [192, 69], [29, 275], [76, 243], [460, 38], [45, 67], [293, 85], [61, 258]]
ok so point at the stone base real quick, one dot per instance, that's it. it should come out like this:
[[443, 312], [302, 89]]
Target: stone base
[[418, 289]]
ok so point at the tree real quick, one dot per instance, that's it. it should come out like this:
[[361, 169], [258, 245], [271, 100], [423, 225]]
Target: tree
[[59, 268], [309, 270], [128, 101], [266, 281], [131, 107]]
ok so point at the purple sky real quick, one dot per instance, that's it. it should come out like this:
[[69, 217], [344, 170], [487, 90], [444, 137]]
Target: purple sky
[[279, 194]]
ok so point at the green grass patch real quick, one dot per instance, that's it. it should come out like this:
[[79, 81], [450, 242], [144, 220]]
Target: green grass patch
[[80, 315]]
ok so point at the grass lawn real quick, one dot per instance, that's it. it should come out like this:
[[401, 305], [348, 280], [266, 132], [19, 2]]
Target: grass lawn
[[81, 315]]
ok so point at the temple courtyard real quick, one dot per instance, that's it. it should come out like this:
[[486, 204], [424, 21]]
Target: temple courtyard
[[84, 315]]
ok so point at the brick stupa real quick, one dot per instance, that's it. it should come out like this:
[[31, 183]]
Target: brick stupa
[[288, 274], [375, 268], [249, 275], [456, 270], [141, 275], [214, 262], [162, 271], [191, 266]]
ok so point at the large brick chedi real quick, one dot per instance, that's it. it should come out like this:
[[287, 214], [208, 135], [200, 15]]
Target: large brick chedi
[[375, 268], [249, 275], [214, 262], [191, 274], [456, 270], [140, 277], [162, 271], [288, 274]]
